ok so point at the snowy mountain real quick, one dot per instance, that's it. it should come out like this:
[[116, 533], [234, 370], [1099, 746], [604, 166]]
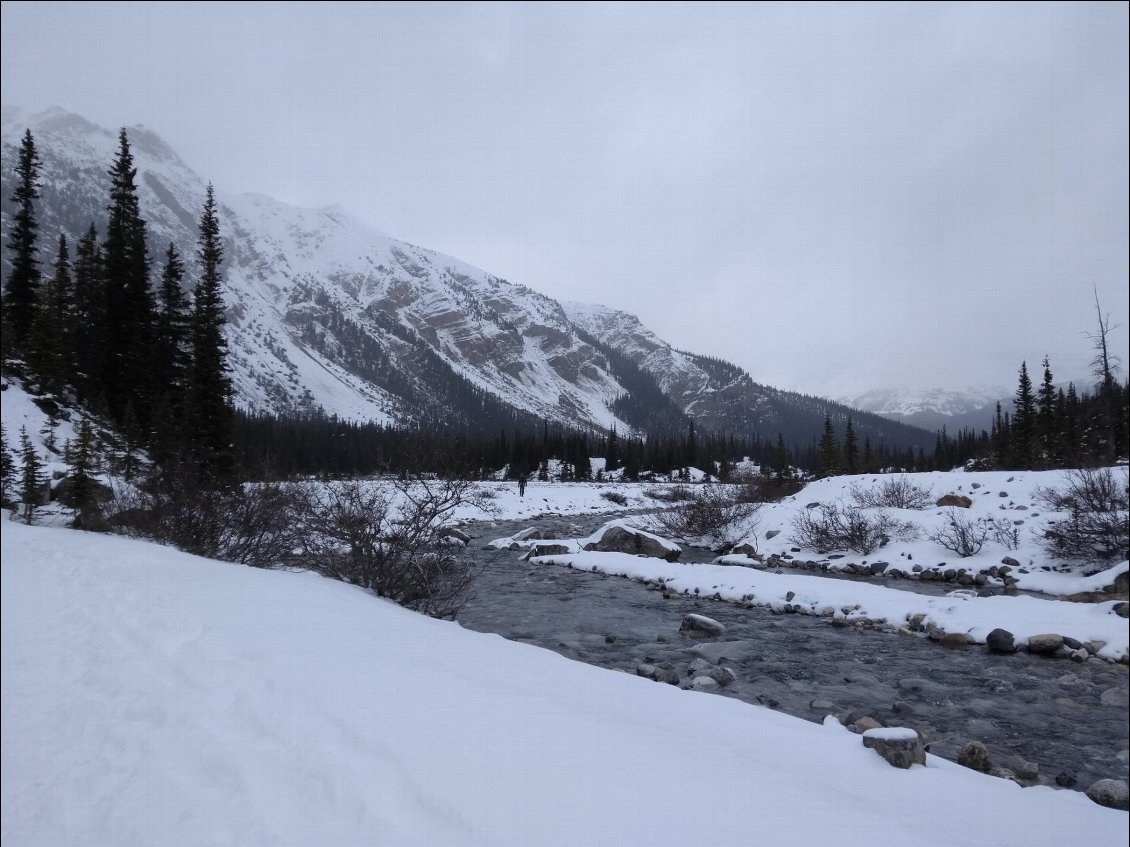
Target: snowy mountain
[[721, 396], [934, 408], [324, 311]]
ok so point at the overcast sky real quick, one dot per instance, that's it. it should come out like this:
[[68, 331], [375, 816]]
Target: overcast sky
[[835, 197]]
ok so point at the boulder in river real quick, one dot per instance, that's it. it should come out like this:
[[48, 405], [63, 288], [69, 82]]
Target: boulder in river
[[1001, 641], [1045, 644], [1112, 793], [974, 755], [899, 746], [701, 625], [617, 537]]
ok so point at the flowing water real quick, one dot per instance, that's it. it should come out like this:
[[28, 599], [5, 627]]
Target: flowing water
[[1068, 718]]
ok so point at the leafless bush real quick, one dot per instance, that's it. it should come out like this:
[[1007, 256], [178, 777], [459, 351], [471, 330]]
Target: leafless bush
[[758, 488], [709, 514], [894, 492], [615, 497], [842, 527], [391, 542], [253, 525], [1096, 526], [674, 494], [1004, 532], [961, 534]]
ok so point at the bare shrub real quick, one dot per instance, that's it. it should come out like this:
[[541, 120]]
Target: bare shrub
[[843, 527], [961, 534], [710, 513], [253, 525], [615, 497], [894, 492], [391, 543], [674, 494], [1096, 526], [1004, 532], [758, 488]]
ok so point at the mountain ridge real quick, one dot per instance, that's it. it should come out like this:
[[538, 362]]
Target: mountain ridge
[[325, 312]]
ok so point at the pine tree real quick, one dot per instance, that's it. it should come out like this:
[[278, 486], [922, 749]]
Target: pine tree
[[829, 451], [868, 456], [50, 344], [1046, 434], [32, 478], [210, 388], [7, 466], [851, 450], [173, 326], [81, 496], [90, 316], [612, 451], [1023, 434], [127, 366], [781, 469], [22, 289]]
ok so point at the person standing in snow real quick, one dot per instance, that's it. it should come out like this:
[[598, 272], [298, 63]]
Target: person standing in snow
[[521, 486]]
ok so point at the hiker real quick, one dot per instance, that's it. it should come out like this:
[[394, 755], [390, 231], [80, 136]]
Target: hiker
[[521, 486]]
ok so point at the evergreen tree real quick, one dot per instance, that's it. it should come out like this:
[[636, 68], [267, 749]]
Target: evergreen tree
[[210, 388], [7, 466], [851, 450], [50, 344], [32, 478], [127, 366], [90, 316], [22, 289], [868, 465], [81, 496], [781, 467], [612, 451], [829, 451], [1023, 434], [1046, 434], [174, 330]]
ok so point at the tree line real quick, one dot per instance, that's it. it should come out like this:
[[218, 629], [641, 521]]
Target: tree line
[[104, 329]]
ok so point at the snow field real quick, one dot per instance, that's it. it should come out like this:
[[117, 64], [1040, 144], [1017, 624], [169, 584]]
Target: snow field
[[155, 697]]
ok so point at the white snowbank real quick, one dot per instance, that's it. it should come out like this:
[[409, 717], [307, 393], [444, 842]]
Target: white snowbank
[[1008, 497], [151, 697]]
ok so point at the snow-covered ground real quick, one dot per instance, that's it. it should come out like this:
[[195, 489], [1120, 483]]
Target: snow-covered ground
[[1009, 497], [151, 697]]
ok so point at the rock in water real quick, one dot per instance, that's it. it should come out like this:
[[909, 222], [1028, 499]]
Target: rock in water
[[1112, 793], [702, 626], [974, 755], [1001, 641], [1045, 644], [900, 746], [623, 539]]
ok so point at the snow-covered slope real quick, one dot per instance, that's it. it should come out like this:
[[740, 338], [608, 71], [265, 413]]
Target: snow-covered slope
[[722, 396], [151, 697], [326, 311]]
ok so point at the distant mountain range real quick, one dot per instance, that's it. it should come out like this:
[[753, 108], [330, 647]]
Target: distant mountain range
[[935, 408], [325, 312]]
